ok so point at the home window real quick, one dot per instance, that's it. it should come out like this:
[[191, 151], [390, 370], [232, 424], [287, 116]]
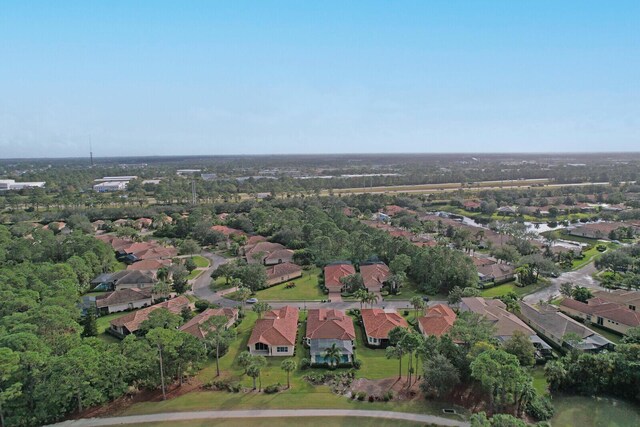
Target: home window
[[282, 349], [261, 346], [632, 307]]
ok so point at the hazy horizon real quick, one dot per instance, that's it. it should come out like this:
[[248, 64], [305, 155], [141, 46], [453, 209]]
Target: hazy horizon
[[277, 77]]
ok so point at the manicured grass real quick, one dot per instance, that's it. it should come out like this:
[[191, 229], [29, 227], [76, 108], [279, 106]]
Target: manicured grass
[[102, 324], [505, 288], [306, 289], [219, 283], [539, 380], [288, 421], [201, 262], [195, 273], [594, 412]]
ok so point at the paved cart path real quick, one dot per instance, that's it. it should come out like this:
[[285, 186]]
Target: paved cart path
[[267, 413]]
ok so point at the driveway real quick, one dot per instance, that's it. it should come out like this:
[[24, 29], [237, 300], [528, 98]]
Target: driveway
[[580, 277], [263, 413]]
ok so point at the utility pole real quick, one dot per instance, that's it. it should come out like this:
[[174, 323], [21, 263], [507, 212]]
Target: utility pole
[[90, 151]]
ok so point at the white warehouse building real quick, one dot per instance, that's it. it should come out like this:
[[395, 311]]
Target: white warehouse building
[[10, 184]]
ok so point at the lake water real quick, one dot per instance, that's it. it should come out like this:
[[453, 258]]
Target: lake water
[[594, 412]]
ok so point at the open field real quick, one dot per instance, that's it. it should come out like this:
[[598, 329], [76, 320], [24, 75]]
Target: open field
[[505, 288], [306, 289]]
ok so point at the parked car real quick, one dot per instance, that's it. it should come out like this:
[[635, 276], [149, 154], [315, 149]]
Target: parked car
[[425, 298], [252, 300]]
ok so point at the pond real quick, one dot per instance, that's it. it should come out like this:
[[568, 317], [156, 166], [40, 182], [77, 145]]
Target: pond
[[594, 412]]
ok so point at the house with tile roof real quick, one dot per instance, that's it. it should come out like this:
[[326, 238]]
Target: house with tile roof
[[437, 321], [124, 299], [374, 276], [197, 325], [599, 230], [378, 323], [278, 257], [471, 205], [130, 323], [152, 265], [124, 279], [281, 273], [616, 310], [261, 250], [326, 327], [275, 333], [495, 311], [554, 326], [334, 272]]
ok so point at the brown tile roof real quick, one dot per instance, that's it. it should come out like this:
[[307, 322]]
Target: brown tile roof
[[277, 327], [329, 324], [619, 296], [334, 272], [149, 264], [392, 210], [470, 204], [438, 320], [374, 275], [133, 320], [494, 311], [123, 296], [280, 254], [477, 261], [195, 325], [283, 269], [597, 307], [377, 322], [254, 240], [264, 248]]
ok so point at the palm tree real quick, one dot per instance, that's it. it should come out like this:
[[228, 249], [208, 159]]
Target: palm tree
[[361, 295], [372, 299], [218, 336], [260, 308], [418, 304], [333, 355], [289, 365]]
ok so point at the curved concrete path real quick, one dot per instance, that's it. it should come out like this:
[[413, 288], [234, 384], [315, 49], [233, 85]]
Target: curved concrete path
[[267, 413]]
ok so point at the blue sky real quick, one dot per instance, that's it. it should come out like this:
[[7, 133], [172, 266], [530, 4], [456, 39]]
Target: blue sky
[[266, 77]]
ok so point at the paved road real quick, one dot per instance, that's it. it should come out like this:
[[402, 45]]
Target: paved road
[[267, 413], [581, 277], [200, 286]]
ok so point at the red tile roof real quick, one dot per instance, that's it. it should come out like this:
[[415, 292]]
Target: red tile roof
[[438, 320], [334, 272], [329, 324], [392, 210], [277, 327], [378, 323], [228, 231]]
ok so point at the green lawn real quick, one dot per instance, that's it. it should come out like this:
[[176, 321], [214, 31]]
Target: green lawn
[[201, 262], [306, 289], [539, 380], [505, 288], [102, 324], [195, 273]]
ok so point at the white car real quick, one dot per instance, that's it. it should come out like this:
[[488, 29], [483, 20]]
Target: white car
[[252, 300]]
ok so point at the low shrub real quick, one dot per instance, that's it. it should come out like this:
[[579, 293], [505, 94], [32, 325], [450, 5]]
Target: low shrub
[[371, 398], [357, 364], [540, 408], [387, 396], [273, 388], [305, 363], [361, 395], [201, 305]]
